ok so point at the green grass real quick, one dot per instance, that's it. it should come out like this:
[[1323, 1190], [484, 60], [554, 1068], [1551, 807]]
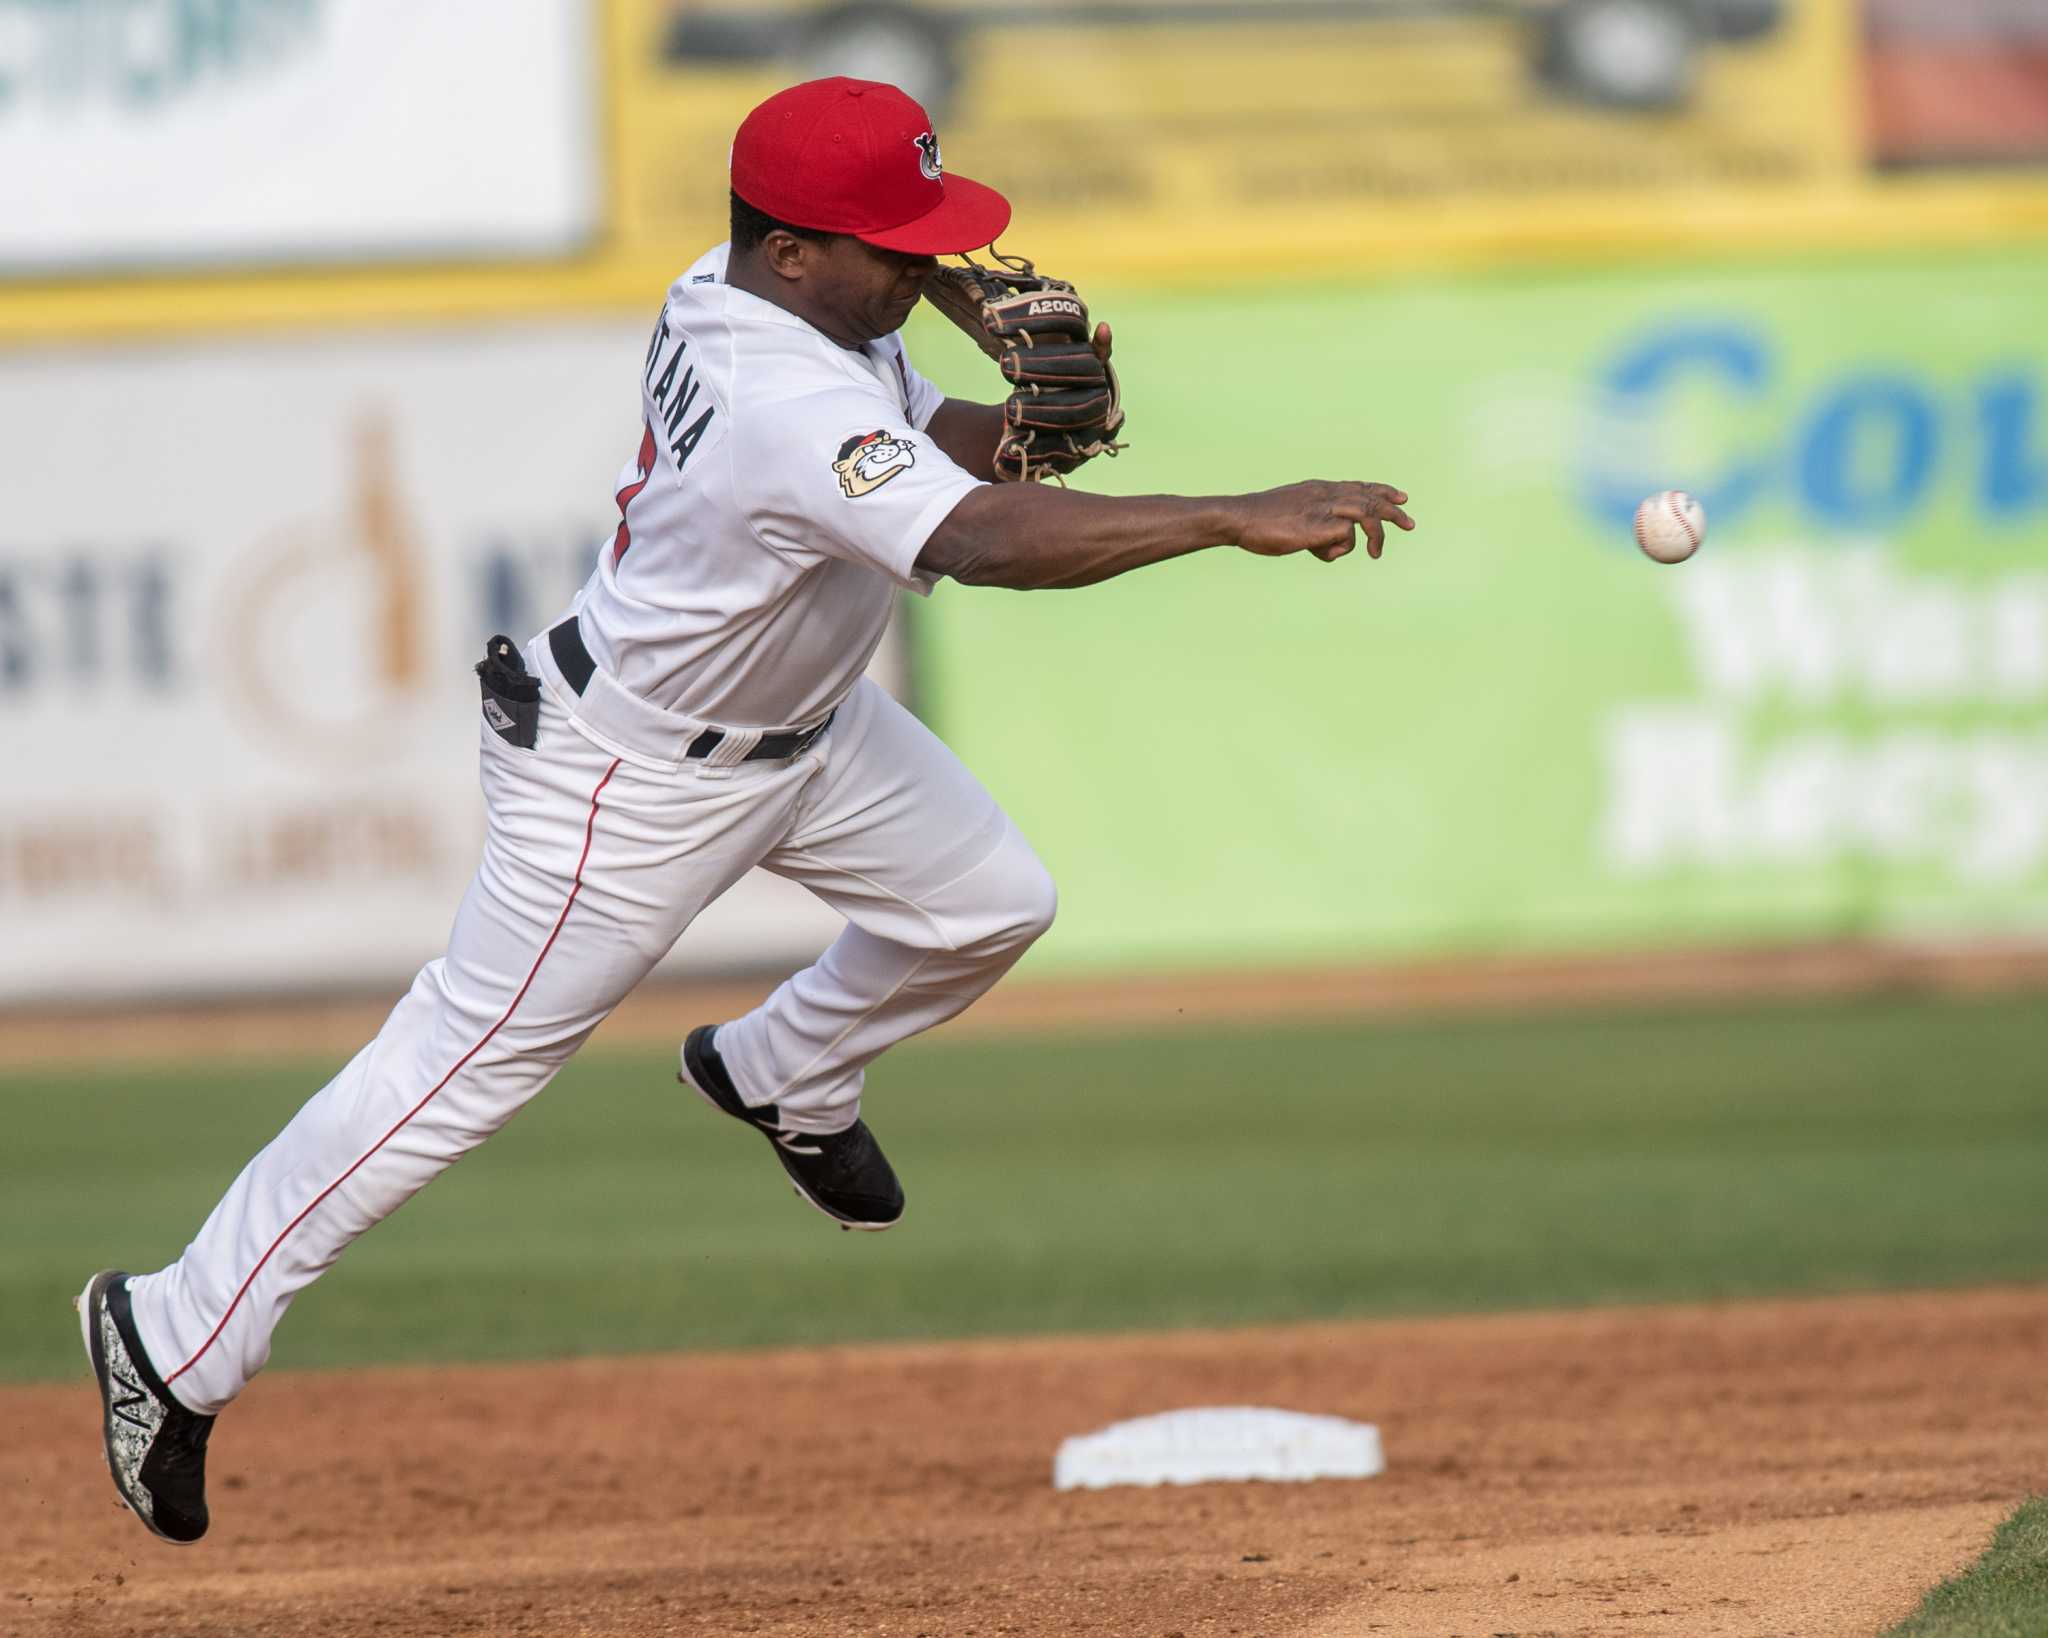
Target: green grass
[[2003, 1595], [1186, 1178]]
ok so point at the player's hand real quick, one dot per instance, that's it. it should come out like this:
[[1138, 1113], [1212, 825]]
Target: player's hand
[[1101, 342], [1320, 517]]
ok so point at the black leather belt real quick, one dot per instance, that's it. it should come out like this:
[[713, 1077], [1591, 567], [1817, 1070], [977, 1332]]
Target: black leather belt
[[577, 667]]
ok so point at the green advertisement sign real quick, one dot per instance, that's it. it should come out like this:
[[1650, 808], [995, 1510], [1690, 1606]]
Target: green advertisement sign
[[1515, 732]]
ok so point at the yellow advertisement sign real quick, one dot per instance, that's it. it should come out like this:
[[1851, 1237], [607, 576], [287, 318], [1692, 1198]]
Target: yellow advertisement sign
[[1152, 135]]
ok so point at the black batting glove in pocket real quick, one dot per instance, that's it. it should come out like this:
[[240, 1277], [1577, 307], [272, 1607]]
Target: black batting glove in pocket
[[511, 694]]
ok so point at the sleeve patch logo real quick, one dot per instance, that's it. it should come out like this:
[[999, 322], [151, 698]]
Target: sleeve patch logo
[[871, 460]]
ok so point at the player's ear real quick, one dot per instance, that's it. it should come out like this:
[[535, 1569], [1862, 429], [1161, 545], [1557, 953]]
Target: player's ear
[[786, 254]]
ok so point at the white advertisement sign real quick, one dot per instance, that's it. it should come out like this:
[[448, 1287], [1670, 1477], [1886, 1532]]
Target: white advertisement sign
[[242, 589], [1882, 661], [152, 132]]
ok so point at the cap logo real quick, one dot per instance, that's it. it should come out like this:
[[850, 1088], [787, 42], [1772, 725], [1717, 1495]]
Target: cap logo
[[928, 157]]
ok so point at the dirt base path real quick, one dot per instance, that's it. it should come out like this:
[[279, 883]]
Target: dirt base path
[[1797, 1468], [1107, 1003]]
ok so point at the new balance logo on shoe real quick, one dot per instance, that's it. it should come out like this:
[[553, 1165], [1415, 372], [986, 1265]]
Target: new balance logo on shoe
[[126, 1405], [155, 1447]]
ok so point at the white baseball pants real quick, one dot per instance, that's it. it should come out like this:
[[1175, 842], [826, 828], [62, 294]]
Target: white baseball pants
[[602, 844]]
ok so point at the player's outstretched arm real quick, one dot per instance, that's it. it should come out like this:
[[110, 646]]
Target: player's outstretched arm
[[1031, 538]]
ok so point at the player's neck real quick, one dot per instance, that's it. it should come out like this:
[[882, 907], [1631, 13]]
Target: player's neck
[[744, 273]]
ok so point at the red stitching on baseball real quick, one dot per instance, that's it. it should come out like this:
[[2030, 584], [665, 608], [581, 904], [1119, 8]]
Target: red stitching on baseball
[[1671, 500]]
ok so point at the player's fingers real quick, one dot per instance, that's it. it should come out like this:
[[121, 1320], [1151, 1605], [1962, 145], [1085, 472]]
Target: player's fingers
[[1375, 537], [1342, 539], [1386, 502], [1376, 507], [1102, 342]]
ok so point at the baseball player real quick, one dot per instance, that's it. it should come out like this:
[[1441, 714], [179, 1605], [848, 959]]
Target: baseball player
[[701, 710]]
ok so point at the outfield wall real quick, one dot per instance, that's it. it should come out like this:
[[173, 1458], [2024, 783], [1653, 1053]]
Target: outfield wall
[[279, 449]]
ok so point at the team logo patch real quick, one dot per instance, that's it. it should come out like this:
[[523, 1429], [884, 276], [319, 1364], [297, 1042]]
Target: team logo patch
[[871, 460], [928, 157]]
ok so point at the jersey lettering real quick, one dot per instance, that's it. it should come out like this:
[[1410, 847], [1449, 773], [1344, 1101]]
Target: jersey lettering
[[689, 438], [654, 346], [666, 386], [675, 394]]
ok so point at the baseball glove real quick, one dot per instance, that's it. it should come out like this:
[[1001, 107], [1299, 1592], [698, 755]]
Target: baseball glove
[[1064, 407]]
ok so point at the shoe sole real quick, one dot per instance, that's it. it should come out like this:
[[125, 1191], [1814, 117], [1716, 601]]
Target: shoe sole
[[795, 1187], [95, 1356]]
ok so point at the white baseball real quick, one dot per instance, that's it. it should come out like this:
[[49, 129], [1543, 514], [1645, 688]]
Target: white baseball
[[1670, 526]]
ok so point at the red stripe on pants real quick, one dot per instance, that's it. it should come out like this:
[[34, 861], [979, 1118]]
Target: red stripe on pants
[[576, 886]]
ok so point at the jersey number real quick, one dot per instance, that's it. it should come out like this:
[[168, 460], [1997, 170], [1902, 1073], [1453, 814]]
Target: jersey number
[[643, 469]]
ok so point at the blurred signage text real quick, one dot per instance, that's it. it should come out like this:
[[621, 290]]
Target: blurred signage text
[[140, 134]]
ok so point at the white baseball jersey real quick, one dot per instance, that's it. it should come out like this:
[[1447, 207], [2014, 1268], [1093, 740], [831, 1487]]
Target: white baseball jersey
[[781, 493]]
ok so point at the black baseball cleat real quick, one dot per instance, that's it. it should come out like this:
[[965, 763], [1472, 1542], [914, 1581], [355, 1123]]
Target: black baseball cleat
[[156, 1448], [844, 1174]]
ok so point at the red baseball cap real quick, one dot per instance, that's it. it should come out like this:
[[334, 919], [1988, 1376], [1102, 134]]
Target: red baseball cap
[[860, 157]]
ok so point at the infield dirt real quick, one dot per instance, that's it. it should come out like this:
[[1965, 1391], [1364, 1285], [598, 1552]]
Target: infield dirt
[[1799, 1468]]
